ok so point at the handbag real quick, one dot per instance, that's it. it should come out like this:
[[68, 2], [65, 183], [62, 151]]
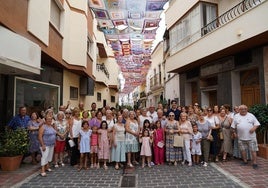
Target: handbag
[[210, 137], [160, 144], [178, 141]]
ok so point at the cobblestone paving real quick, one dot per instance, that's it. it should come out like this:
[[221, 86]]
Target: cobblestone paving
[[157, 176]]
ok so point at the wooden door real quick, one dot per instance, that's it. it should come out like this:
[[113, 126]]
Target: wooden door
[[250, 95]]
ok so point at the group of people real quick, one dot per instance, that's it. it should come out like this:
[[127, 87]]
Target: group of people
[[186, 135]]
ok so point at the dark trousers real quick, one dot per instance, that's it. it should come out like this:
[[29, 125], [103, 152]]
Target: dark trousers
[[75, 154]]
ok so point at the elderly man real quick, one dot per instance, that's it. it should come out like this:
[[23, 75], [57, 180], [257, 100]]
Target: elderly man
[[161, 118], [151, 112], [245, 125], [20, 120]]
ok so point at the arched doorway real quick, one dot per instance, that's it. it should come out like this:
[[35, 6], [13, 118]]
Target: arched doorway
[[250, 87]]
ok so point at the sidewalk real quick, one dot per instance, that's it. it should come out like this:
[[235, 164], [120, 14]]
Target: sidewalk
[[245, 174]]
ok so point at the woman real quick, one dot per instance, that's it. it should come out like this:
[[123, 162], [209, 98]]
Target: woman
[[33, 127], [75, 127], [119, 148], [132, 134], [204, 127], [47, 137], [96, 121], [192, 117], [225, 124], [216, 143], [173, 154], [186, 130], [62, 128]]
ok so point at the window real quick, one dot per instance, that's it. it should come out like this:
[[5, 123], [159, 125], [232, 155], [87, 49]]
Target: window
[[37, 96], [73, 92], [112, 98], [55, 13], [188, 29], [98, 96]]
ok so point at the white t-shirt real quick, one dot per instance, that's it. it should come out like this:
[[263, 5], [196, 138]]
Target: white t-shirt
[[243, 124], [142, 118], [152, 115], [213, 120]]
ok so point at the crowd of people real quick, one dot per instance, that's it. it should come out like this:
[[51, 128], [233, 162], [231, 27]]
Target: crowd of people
[[95, 138]]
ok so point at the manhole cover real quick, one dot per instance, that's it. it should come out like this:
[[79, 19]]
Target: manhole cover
[[128, 181]]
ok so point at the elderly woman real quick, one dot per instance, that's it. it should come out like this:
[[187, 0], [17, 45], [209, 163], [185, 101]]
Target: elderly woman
[[132, 133], [62, 128], [204, 127], [47, 137], [33, 128], [173, 154]]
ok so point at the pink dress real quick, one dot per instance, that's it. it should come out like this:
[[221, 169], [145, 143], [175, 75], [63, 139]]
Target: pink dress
[[146, 147], [104, 150]]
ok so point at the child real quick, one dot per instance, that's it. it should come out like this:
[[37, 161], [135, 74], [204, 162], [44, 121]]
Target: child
[[159, 137], [146, 140], [195, 144], [84, 144], [94, 147], [104, 145]]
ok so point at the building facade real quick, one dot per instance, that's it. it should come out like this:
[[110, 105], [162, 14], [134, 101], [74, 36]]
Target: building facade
[[219, 49], [49, 55]]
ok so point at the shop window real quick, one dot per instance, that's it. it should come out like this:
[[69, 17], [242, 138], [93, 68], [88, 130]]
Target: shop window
[[73, 93], [36, 96]]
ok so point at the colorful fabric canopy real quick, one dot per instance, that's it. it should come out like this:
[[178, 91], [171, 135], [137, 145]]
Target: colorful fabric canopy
[[130, 29]]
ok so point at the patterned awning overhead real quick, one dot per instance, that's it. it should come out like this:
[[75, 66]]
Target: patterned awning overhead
[[130, 29]]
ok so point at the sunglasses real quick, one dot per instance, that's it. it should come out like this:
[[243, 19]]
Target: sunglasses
[[209, 110], [171, 115], [68, 113]]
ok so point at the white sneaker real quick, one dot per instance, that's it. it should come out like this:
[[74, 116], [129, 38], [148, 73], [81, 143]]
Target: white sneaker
[[62, 164], [183, 162], [56, 166], [205, 164], [190, 164]]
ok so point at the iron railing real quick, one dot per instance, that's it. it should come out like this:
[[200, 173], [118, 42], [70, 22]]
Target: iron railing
[[231, 14], [103, 68]]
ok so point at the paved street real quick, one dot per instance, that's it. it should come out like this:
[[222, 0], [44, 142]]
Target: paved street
[[157, 176], [221, 174]]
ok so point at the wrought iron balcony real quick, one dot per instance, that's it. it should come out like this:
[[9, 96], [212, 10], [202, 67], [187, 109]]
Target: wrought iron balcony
[[103, 68], [231, 14]]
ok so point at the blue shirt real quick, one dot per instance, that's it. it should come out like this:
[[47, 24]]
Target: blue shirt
[[19, 121]]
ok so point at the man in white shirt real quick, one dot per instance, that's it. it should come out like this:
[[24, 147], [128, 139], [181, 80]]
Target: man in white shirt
[[245, 125], [151, 112]]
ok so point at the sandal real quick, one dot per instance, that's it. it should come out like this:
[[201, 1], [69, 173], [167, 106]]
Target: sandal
[[105, 167], [86, 168], [43, 174], [49, 169], [79, 169], [130, 165]]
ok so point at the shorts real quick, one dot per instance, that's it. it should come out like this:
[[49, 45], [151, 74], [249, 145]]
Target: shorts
[[59, 147], [93, 149], [252, 145]]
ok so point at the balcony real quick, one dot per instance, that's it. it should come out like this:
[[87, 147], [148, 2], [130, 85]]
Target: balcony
[[142, 95], [102, 68], [155, 82], [240, 28]]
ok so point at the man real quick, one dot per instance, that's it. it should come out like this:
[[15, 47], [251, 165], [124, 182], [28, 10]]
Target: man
[[174, 109], [81, 108], [151, 112], [20, 120], [245, 125], [161, 118]]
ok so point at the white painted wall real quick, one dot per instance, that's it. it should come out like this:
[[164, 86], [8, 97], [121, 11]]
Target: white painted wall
[[172, 87], [75, 37], [38, 19]]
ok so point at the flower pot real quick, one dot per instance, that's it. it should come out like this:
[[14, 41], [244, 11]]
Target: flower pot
[[263, 151], [10, 163]]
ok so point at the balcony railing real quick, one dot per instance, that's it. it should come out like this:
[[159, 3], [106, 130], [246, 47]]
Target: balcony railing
[[155, 81], [102, 67], [142, 94], [231, 14]]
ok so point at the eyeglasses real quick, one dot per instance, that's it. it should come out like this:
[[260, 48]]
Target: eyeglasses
[[209, 110], [68, 113], [171, 115]]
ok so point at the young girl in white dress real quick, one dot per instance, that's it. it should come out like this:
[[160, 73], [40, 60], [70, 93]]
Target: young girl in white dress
[[146, 140]]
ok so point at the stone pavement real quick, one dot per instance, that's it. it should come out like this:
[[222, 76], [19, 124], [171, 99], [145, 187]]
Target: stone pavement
[[227, 174]]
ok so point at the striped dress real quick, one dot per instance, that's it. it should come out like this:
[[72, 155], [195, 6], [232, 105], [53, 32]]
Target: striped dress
[[172, 153]]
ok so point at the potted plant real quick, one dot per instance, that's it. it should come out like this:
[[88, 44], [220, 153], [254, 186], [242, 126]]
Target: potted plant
[[261, 113], [13, 145]]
